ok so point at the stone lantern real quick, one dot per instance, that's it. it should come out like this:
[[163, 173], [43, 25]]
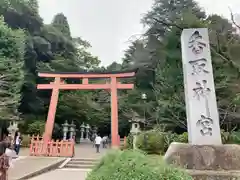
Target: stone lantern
[[13, 128], [94, 131], [87, 131], [65, 130], [82, 132], [135, 129], [72, 130]]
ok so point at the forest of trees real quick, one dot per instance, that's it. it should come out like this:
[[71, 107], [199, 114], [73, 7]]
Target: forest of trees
[[28, 46]]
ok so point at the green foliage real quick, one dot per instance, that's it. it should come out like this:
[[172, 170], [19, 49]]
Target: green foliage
[[11, 67], [160, 50], [48, 48], [157, 141], [26, 141], [151, 142], [21, 14], [225, 136], [232, 137], [129, 141], [61, 23], [36, 128], [182, 138], [134, 165]]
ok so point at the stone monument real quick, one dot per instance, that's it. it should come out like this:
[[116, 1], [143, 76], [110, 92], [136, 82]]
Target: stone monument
[[200, 98], [205, 157]]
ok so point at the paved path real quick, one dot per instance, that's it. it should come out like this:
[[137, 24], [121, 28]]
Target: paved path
[[60, 174], [81, 151], [87, 151], [27, 165]]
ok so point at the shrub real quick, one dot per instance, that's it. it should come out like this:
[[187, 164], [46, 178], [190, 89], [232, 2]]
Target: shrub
[[36, 128], [130, 164], [233, 138], [230, 137], [107, 159], [169, 137], [26, 141], [157, 142], [225, 136], [152, 142], [129, 141]]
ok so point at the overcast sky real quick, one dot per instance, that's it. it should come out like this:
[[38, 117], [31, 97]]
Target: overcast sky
[[108, 24]]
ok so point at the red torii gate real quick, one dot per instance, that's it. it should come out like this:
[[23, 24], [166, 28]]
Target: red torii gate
[[58, 84]]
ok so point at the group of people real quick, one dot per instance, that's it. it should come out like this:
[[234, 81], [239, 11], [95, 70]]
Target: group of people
[[98, 140]]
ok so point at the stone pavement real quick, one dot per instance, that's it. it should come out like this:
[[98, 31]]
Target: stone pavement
[[27, 165], [85, 150], [60, 174], [81, 151]]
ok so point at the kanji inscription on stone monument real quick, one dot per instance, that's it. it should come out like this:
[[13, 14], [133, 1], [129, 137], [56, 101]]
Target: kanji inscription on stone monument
[[200, 98]]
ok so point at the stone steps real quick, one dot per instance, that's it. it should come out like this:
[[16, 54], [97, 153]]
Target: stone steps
[[80, 163]]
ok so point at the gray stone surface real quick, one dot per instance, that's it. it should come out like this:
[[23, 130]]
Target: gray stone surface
[[86, 150], [214, 175], [204, 157], [63, 175], [29, 165], [200, 98]]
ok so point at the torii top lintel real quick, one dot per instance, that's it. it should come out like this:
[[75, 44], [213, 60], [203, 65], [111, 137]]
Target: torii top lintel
[[58, 84], [87, 74]]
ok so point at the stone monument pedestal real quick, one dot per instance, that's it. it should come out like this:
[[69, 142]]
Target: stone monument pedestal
[[206, 162]]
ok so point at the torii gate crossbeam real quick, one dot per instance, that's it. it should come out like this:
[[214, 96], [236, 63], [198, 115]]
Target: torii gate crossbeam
[[59, 84]]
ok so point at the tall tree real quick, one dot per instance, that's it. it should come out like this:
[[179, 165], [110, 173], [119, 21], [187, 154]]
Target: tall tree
[[11, 70], [61, 23], [161, 51]]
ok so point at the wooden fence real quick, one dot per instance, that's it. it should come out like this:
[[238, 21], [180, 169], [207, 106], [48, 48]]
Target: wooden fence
[[39, 147]]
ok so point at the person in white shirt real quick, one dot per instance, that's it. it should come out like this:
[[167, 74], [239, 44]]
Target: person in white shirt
[[17, 142], [98, 141]]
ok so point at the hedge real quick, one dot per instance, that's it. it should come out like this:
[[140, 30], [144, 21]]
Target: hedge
[[129, 164], [157, 142]]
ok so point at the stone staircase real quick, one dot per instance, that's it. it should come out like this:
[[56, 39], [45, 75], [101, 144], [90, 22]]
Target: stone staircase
[[80, 163]]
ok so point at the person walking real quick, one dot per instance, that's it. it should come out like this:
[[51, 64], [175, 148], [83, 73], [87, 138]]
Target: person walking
[[105, 141], [17, 142], [98, 141], [93, 137]]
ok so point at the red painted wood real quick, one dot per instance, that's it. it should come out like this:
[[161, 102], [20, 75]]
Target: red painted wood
[[120, 75], [84, 86], [52, 148]]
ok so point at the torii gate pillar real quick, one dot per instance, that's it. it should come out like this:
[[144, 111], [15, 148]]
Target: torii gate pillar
[[114, 113]]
